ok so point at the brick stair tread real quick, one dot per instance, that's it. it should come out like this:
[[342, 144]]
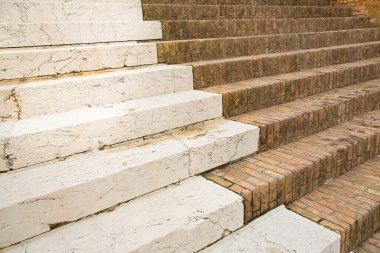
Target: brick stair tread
[[223, 71], [348, 205], [290, 121], [209, 12], [235, 2], [371, 245], [180, 51], [283, 174]]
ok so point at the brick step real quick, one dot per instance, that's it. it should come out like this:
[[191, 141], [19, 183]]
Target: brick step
[[37, 11], [183, 218], [240, 2], [291, 121], [81, 185], [224, 71], [371, 245], [200, 29], [39, 139], [348, 205], [286, 173], [182, 51], [64, 33], [246, 96], [23, 100], [279, 230], [212, 12]]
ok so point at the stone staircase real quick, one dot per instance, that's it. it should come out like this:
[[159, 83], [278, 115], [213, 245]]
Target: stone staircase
[[100, 142], [307, 74], [103, 142]]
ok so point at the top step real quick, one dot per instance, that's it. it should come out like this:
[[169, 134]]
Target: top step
[[236, 2]]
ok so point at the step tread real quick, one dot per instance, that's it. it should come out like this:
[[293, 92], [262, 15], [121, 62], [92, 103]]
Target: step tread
[[203, 211], [348, 205], [371, 245], [279, 230], [283, 174]]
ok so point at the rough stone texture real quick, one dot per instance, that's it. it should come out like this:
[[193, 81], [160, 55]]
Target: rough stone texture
[[348, 205], [283, 174], [45, 34], [26, 100], [370, 8], [44, 61], [183, 218], [371, 245], [30, 141], [280, 230], [291, 121], [84, 184], [51, 12], [254, 94]]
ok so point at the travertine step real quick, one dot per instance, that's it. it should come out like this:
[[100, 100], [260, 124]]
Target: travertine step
[[181, 51], [280, 230], [84, 184], [30, 141], [52, 60], [348, 205], [291, 121], [283, 174], [254, 94], [371, 245], [47, 34], [237, 2], [182, 218], [210, 12], [30, 99], [135, 2], [223, 71], [50, 12], [200, 29]]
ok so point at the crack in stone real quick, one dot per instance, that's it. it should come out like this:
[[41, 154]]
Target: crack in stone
[[13, 97], [9, 159]]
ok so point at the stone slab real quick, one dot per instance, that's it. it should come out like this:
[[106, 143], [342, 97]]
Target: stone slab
[[32, 99], [181, 218], [279, 230], [47, 34], [39, 139]]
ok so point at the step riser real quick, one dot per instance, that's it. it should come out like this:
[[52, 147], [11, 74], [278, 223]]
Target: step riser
[[52, 61], [191, 12], [162, 167], [75, 33], [177, 30], [197, 50], [290, 88], [295, 169], [40, 12], [47, 140], [46, 97], [203, 211], [228, 71], [238, 2], [311, 115]]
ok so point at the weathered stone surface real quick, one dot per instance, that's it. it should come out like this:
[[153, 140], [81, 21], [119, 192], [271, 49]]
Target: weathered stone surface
[[182, 218], [44, 61], [39, 139], [31, 99], [280, 230]]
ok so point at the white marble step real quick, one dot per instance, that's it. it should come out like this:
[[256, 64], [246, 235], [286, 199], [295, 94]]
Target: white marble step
[[84, 184], [47, 34], [51, 12], [49, 61], [32, 99], [181, 218], [30, 141], [280, 230], [135, 2]]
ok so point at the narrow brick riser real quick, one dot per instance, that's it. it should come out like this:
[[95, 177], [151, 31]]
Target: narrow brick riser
[[184, 51], [219, 72], [238, 2], [181, 30], [199, 12], [284, 174]]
